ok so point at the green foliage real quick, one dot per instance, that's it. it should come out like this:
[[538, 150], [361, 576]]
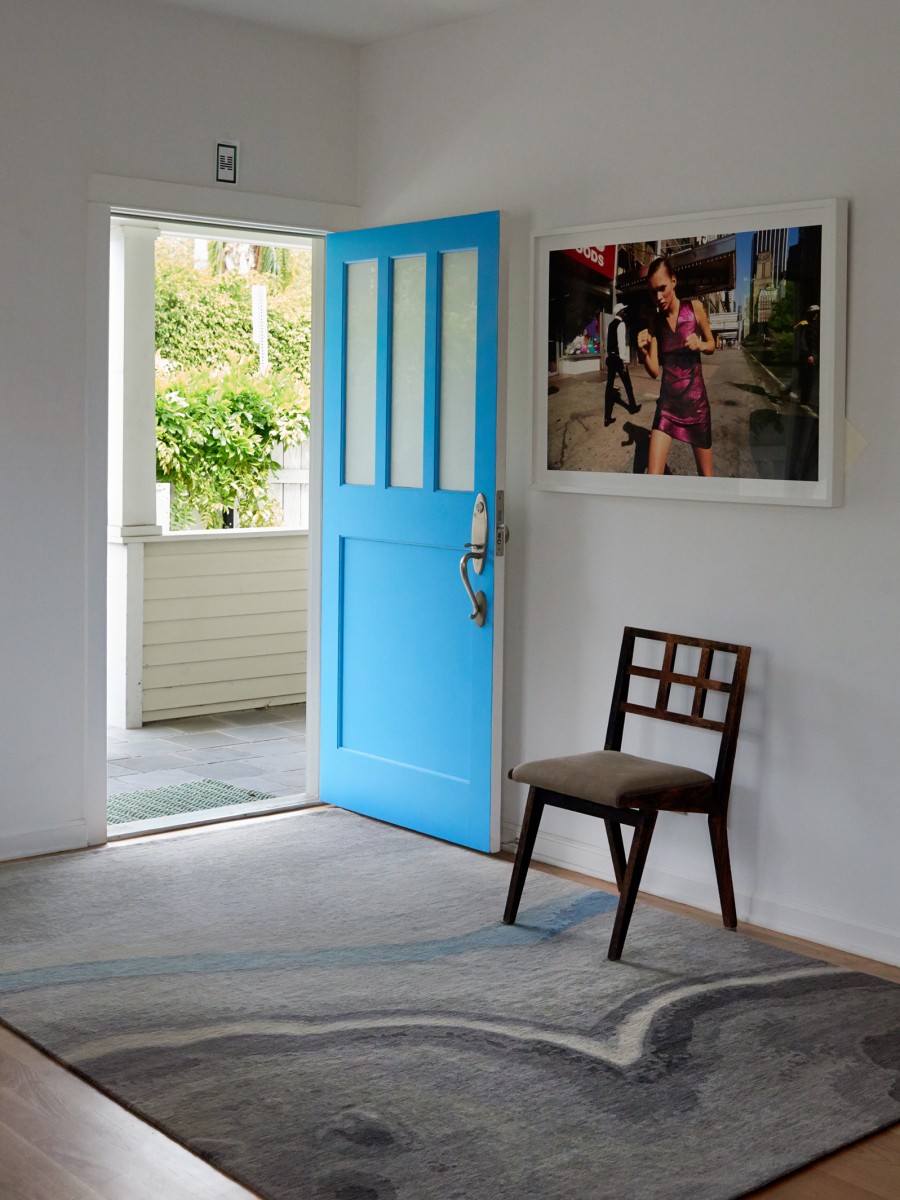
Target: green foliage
[[782, 317], [215, 432], [277, 261], [218, 419], [288, 337], [202, 321], [781, 326], [203, 317]]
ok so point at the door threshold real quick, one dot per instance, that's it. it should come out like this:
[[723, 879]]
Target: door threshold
[[210, 816]]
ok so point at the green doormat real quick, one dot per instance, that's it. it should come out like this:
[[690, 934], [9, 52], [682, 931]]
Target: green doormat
[[177, 798]]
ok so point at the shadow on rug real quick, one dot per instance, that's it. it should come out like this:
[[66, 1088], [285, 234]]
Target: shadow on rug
[[330, 1008]]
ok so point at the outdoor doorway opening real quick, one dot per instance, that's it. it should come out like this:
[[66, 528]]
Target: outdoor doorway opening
[[211, 341]]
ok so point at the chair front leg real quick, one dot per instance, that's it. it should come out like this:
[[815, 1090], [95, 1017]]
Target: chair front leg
[[616, 850], [718, 836], [534, 810], [640, 844]]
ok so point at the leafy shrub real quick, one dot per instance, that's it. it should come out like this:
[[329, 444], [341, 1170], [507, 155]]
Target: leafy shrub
[[203, 320], [215, 430], [218, 420], [781, 329], [289, 337]]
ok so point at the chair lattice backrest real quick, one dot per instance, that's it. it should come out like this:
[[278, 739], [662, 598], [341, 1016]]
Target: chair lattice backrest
[[700, 681]]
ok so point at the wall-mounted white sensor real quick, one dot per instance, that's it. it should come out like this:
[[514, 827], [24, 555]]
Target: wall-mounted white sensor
[[226, 162]]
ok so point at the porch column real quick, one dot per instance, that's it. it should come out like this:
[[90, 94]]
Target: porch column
[[132, 462]]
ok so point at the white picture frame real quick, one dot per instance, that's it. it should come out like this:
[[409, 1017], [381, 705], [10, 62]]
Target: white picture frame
[[776, 436]]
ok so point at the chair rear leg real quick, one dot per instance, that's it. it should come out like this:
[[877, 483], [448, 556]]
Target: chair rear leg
[[534, 810], [718, 836], [640, 844]]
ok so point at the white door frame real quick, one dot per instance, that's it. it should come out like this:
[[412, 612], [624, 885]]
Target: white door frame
[[233, 208]]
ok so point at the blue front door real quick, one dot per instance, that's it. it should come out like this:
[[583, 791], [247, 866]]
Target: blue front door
[[410, 443]]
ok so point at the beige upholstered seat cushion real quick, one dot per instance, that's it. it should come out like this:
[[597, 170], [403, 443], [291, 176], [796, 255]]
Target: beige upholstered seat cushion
[[606, 776]]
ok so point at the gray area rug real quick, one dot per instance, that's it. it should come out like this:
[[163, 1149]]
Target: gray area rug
[[330, 1009], [177, 798]]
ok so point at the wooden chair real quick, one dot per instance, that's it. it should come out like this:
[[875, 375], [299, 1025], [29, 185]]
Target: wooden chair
[[626, 790]]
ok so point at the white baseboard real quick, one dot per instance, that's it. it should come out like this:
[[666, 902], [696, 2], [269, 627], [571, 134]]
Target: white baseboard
[[43, 841], [869, 941]]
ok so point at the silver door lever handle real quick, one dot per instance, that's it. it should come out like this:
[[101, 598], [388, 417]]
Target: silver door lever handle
[[476, 553], [479, 601]]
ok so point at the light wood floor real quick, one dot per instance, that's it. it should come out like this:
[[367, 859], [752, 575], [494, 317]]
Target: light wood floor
[[60, 1139]]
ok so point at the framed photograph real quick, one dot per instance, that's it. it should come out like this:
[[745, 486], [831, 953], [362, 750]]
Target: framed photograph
[[698, 357]]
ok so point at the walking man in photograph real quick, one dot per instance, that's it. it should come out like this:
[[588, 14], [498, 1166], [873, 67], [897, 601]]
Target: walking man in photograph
[[806, 339], [617, 356]]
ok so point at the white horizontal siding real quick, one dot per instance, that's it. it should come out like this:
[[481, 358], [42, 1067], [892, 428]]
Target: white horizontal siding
[[254, 692], [225, 603], [222, 670], [243, 555], [210, 541], [205, 628], [174, 587], [208, 649], [224, 624], [220, 706]]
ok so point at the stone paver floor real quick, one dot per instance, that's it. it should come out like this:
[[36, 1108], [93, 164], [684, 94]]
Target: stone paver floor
[[263, 749]]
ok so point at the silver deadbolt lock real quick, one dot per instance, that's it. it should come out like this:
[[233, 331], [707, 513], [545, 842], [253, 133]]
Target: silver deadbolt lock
[[476, 554]]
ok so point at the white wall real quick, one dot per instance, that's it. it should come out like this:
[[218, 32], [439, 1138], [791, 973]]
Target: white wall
[[113, 89], [565, 112], [561, 113]]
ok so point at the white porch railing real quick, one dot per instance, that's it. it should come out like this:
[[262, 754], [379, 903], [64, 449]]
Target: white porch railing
[[222, 623]]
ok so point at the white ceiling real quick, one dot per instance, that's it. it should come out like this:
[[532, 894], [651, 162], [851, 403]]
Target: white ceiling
[[357, 21]]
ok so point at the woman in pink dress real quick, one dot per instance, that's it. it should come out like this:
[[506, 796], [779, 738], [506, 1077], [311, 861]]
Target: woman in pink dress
[[672, 346]]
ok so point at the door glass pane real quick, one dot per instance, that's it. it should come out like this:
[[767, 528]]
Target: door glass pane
[[359, 400], [408, 372], [459, 314]]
